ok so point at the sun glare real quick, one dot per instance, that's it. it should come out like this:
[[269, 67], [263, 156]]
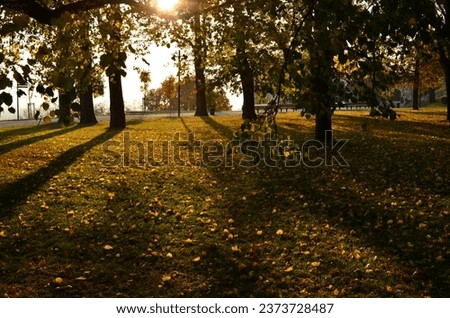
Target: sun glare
[[167, 5]]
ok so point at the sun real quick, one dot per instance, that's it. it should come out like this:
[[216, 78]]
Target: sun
[[167, 5]]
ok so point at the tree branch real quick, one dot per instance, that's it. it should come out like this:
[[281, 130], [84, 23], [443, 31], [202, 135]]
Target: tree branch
[[34, 9]]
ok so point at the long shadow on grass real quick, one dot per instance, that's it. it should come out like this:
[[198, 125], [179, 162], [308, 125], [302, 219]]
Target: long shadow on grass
[[26, 142], [9, 132], [404, 127], [414, 241], [416, 248], [15, 193], [189, 130], [221, 129]]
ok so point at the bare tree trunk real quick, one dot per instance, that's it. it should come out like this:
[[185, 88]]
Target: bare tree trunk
[[117, 106], [248, 84], [64, 101], [199, 64], [445, 62], [416, 85], [200, 89], [87, 116]]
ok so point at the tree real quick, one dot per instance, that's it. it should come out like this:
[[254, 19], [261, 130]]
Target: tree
[[113, 60], [428, 23], [193, 32], [249, 49]]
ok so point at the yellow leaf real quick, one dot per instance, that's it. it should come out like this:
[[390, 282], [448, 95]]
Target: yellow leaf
[[166, 278], [422, 225], [58, 280], [289, 269], [197, 259], [315, 264], [235, 248], [259, 232], [169, 255], [108, 247], [2, 234], [280, 232]]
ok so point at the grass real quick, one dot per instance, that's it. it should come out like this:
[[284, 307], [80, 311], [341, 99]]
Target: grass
[[72, 225]]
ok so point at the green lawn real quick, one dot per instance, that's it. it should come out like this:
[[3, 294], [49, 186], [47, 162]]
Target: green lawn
[[75, 224]]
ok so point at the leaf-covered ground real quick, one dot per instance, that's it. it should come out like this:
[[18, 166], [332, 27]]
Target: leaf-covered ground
[[73, 224]]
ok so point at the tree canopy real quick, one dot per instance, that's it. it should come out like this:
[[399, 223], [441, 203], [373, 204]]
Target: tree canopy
[[315, 51]]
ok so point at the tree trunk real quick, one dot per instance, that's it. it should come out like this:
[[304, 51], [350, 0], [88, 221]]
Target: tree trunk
[[248, 85], [87, 108], [64, 101], [445, 62], [323, 127], [416, 85], [117, 106], [199, 64], [200, 88], [431, 95]]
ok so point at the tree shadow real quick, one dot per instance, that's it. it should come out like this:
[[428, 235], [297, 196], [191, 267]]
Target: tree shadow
[[9, 132], [409, 127], [26, 142], [15, 193], [189, 130], [221, 129]]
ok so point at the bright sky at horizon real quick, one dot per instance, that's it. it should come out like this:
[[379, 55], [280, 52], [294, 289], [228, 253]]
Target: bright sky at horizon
[[161, 66]]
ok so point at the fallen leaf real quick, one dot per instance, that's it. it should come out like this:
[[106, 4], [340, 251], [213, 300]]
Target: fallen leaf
[[166, 278], [289, 269], [197, 259], [58, 280], [280, 232], [315, 264], [107, 247]]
